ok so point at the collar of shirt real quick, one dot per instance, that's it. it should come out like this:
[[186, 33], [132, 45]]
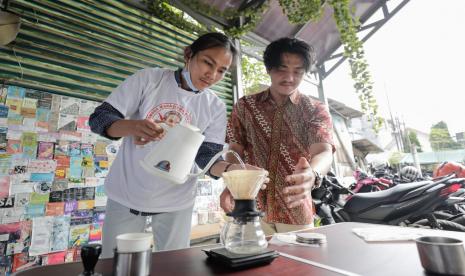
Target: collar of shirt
[[293, 98]]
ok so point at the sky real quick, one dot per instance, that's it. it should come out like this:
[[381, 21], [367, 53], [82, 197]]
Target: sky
[[417, 61]]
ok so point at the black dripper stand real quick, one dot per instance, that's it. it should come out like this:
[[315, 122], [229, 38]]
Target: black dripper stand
[[245, 210], [89, 256], [244, 213]]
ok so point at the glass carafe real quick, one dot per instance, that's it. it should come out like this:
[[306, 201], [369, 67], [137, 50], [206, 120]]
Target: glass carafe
[[244, 236]]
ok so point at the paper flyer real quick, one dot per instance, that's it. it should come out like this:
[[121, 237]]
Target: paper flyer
[[71, 136], [69, 105], [3, 140], [60, 172], [70, 206], [3, 115], [7, 202], [60, 185], [95, 233], [60, 232], [67, 122], [14, 106], [55, 209], [16, 92], [29, 107], [13, 215], [100, 196], [56, 196], [89, 138], [41, 235], [87, 150], [22, 200], [55, 258], [75, 170], [88, 193], [85, 204], [61, 148], [78, 235], [35, 210], [19, 166], [41, 166], [17, 186], [5, 162], [37, 198], [14, 147], [29, 144], [42, 177], [100, 149], [83, 124], [87, 107], [43, 115], [3, 93], [45, 150], [45, 101], [74, 149], [4, 186]]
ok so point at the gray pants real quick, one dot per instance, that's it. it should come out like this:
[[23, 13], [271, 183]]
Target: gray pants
[[171, 230]]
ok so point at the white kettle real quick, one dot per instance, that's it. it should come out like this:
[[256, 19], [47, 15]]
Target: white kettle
[[173, 156]]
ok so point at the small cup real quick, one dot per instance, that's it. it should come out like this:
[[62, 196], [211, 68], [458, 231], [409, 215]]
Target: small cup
[[134, 242], [441, 255]]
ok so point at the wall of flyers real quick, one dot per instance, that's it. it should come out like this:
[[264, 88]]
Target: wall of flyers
[[52, 170]]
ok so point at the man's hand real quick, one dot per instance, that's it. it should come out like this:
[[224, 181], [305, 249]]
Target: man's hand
[[226, 201], [302, 180]]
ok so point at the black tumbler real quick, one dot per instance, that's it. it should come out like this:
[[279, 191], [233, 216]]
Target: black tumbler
[[89, 256]]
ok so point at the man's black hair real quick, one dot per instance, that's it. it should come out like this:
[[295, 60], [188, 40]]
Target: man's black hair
[[273, 53]]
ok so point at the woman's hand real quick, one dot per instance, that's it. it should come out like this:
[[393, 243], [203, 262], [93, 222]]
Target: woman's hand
[[146, 131]]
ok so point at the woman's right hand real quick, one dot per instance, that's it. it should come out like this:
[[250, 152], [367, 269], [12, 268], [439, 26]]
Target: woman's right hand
[[145, 131]]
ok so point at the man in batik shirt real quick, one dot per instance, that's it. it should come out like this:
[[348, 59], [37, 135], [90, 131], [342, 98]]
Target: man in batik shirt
[[287, 133]]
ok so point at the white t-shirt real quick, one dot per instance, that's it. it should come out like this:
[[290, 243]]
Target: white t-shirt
[[154, 94]]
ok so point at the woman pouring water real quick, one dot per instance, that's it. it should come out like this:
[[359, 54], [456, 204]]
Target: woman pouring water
[[134, 110]]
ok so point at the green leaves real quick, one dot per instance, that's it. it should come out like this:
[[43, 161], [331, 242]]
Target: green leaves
[[298, 12], [302, 11], [353, 50]]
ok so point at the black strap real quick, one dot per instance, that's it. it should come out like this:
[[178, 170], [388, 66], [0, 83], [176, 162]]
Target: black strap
[[144, 214]]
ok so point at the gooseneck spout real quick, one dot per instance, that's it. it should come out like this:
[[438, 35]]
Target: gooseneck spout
[[215, 158]]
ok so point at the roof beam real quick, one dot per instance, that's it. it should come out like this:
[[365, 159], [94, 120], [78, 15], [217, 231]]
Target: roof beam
[[375, 26]]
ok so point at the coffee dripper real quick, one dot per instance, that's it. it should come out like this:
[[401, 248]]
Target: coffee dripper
[[244, 235]]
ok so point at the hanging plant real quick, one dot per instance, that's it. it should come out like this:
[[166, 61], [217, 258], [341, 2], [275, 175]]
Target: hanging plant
[[353, 50], [302, 11], [298, 12], [250, 16]]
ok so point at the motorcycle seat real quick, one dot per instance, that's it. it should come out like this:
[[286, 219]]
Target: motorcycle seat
[[361, 201]]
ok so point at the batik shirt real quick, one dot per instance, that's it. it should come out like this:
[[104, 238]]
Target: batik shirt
[[274, 137]]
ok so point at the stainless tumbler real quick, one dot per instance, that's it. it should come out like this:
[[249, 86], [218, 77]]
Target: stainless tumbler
[[132, 263], [442, 255]]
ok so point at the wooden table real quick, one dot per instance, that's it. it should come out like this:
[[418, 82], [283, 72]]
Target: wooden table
[[344, 250]]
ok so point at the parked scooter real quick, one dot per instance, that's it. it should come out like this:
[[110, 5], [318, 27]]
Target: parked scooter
[[400, 205], [365, 183]]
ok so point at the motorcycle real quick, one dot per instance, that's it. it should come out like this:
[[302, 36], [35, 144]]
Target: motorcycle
[[365, 183], [404, 204]]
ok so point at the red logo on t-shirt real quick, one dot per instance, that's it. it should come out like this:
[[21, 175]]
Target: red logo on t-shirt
[[170, 113]]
